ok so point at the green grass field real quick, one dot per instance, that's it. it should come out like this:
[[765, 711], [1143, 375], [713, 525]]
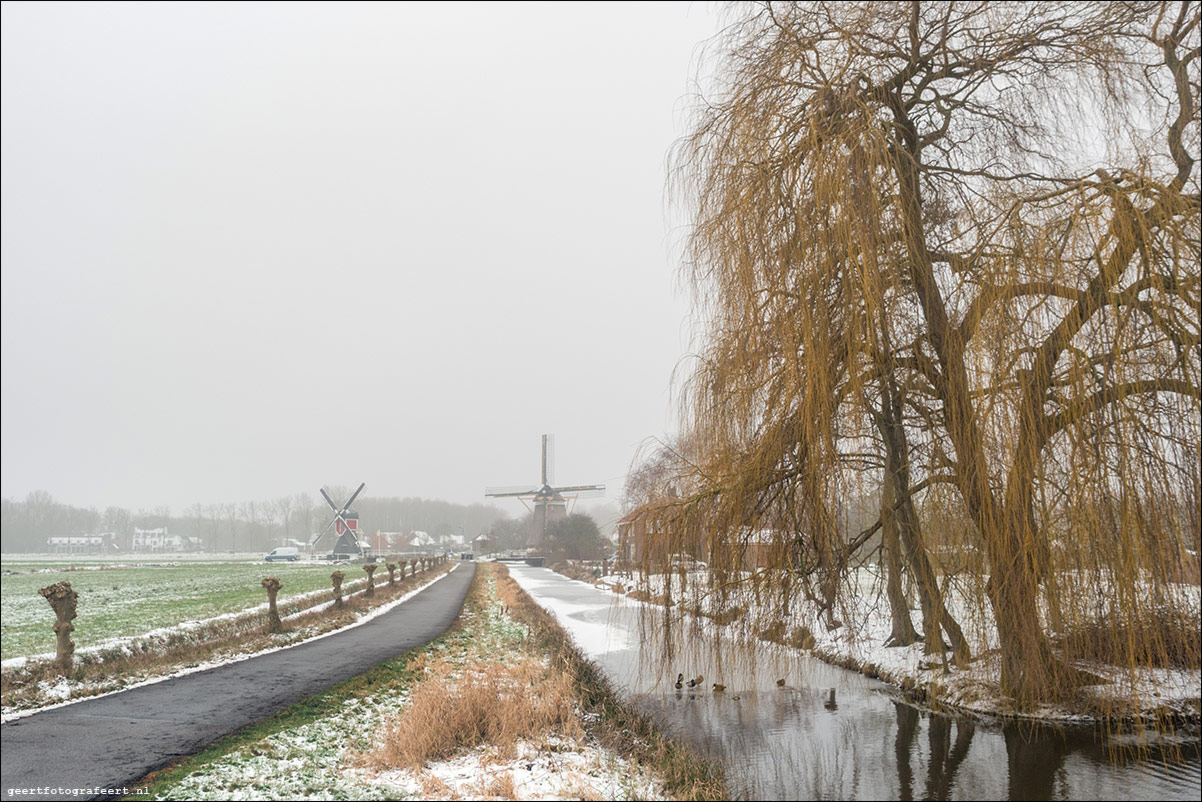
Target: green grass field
[[118, 600]]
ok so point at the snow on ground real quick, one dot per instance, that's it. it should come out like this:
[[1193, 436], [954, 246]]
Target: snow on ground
[[865, 627], [65, 690], [566, 770], [331, 757], [122, 601], [166, 634]]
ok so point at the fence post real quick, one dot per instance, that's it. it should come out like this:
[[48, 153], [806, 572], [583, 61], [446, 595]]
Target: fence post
[[62, 599]]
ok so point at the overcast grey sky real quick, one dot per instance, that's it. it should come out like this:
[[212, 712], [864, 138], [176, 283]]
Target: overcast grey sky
[[251, 249]]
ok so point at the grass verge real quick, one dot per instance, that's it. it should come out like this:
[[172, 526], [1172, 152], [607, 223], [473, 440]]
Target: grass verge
[[686, 775], [41, 682], [501, 705]]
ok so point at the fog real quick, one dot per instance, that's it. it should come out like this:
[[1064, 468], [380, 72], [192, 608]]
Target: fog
[[252, 249]]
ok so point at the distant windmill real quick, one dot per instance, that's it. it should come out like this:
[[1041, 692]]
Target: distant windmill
[[345, 523], [549, 503]]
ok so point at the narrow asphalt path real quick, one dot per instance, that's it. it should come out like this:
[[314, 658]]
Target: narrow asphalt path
[[113, 741]]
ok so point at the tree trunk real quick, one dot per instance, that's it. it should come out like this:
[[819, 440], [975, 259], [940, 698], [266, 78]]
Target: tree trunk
[[1028, 666], [903, 632], [62, 600], [337, 578], [272, 584]]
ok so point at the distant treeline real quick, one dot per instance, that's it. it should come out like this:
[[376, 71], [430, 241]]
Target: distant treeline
[[26, 525]]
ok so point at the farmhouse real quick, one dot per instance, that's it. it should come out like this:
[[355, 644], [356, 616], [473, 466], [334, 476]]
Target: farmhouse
[[83, 544], [422, 541], [636, 534], [482, 544], [159, 540]]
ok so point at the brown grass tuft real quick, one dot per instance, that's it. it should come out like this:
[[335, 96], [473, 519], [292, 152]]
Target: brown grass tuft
[[499, 787], [645, 596], [433, 787], [576, 571], [576, 787], [499, 706], [778, 632]]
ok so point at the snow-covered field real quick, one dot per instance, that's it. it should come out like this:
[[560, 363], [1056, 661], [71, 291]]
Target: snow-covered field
[[120, 600], [60, 691], [333, 756]]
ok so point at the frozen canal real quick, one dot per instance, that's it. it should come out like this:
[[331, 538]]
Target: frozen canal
[[830, 733]]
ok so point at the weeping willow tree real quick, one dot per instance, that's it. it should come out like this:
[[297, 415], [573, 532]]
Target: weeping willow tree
[[946, 256]]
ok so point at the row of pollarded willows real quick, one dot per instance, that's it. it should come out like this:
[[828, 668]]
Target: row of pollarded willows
[[947, 270], [102, 670]]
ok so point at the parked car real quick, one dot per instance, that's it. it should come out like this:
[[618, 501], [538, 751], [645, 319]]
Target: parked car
[[290, 553]]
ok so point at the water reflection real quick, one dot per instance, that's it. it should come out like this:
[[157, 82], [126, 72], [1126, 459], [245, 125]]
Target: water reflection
[[799, 743], [942, 757], [833, 734]]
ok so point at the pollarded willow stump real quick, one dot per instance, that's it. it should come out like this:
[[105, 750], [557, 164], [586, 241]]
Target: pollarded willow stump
[[391, 573], [273, 615], [413, 567], [62, 600], [370, 568], [337, 578]]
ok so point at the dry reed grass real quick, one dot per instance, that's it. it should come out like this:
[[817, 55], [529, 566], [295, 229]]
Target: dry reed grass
[[647, 596], [576, 571], [433, 787], [499, 787], [498, 705], [576, 787], [778, 632]]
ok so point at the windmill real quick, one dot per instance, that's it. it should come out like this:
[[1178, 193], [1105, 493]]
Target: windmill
[[549, 503], [345, 523]]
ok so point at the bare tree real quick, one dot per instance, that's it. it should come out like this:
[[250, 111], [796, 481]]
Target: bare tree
[[284, 507]]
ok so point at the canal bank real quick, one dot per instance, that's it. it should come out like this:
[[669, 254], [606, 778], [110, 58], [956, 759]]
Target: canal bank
[[499, 706], [829, 732]]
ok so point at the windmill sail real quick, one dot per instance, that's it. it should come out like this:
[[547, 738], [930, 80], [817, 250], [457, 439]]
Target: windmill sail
[[549, 502], [346, 531]]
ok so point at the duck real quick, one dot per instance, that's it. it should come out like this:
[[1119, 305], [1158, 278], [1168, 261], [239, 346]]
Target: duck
[[780, 683], [679, 681], [719, 688], [693, 683]]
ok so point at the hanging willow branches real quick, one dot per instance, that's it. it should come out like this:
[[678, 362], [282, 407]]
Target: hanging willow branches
[[946, 263]]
